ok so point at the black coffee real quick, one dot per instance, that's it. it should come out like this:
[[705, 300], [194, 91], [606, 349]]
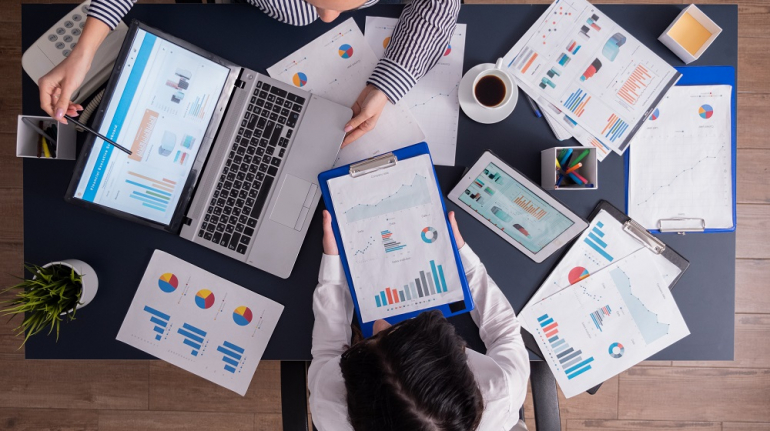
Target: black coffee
[[490, 90]]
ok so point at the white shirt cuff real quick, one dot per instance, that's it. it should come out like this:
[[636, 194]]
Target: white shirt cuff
[[468, 257], [331, 271]]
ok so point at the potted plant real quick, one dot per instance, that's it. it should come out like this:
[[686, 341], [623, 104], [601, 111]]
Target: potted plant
[[54, 292]]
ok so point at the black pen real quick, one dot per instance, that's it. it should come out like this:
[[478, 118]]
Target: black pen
[[104, 138], [39, 131]]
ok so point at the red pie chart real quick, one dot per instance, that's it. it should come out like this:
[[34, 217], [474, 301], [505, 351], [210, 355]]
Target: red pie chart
[[576, 274]]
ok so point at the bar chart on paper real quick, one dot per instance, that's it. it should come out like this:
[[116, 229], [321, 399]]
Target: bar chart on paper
[[233, 356], [424, 286], [570, 359]]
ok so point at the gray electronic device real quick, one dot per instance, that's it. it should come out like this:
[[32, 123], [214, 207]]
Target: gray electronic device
[[222, 155]]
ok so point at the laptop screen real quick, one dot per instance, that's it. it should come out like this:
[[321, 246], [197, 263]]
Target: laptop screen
[[161, 106]]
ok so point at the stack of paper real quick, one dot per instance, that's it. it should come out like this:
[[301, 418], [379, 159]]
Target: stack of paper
[[336, 67], [590, 75], [606, 307]]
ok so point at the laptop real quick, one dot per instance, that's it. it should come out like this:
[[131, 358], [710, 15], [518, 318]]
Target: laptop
[[221, 155]]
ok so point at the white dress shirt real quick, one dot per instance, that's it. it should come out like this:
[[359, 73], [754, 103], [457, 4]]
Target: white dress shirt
[[501, 374]]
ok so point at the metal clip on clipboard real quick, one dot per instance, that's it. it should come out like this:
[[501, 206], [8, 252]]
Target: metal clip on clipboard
[[383, 161], [639, 233], [681, 225]]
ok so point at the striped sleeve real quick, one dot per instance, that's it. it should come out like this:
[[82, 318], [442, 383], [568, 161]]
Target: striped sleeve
[[419, 39], [109, 11]]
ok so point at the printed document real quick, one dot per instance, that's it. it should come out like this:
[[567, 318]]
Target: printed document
[[681, 165], [200, 322], [604, 79], [434, 101], [336, 67], [395, 237], [606, 323]]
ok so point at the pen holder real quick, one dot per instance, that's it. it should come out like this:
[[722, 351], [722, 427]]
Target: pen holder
[[549, 174], [27, 139]]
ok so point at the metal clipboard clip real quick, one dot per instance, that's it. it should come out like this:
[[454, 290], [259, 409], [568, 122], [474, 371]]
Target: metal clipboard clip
[[640, 234], [383, 161], [681, 225]]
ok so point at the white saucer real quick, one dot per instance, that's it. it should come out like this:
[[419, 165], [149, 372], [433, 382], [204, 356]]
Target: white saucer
[[475, 111]]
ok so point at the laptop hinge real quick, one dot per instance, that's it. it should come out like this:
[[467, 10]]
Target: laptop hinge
[[240, 84]]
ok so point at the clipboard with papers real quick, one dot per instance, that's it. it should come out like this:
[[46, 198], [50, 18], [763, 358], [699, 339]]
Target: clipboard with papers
[[396, 244], [607, 304], [681, 171]]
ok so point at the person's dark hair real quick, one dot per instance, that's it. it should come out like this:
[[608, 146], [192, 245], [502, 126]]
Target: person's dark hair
[[412, 376]]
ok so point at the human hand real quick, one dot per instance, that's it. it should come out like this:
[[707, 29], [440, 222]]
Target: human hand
[[57, 86], [330, 244], [455, 230], [366, 112]]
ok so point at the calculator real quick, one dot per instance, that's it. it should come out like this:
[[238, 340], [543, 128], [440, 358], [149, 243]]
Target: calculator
[[57, 43]]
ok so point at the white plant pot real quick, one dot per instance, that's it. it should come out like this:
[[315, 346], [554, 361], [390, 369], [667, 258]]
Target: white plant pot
[[90, 280]]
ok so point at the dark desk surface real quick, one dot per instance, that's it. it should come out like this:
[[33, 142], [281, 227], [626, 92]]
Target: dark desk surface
[[119, 250]]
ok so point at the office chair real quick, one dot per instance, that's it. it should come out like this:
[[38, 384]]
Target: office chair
[[294, 396]]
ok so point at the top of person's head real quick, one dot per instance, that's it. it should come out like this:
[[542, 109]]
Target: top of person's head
[[412, 376]]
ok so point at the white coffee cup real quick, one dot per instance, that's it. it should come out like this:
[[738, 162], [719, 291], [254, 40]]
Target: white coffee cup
[[501, 74]]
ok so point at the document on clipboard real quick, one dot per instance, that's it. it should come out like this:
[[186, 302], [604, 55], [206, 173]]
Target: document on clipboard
[[681, 172], [395, 241], [607, 306]]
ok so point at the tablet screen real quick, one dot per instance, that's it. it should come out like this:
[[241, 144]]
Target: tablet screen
[[515, 210], [160, 108]]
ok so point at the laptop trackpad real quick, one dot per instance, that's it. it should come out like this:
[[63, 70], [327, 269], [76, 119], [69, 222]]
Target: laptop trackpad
[[290, 199]]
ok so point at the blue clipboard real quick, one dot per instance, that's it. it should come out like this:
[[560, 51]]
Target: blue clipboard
[[707, 75], [389, 161]]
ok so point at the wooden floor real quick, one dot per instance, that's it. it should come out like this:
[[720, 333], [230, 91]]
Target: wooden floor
[[133, 395]]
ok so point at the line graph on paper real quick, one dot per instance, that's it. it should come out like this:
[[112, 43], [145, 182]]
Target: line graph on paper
[[680, 166]]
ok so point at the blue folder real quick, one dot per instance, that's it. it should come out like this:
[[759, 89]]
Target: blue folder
[[707, 75], [447, 309]]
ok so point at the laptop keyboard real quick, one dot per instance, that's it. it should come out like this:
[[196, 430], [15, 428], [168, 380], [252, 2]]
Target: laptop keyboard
[[259, 149]]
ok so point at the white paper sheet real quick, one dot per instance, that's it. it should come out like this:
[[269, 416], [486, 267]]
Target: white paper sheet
[[681, 165], [606, 323], [336, 66], [396, 241], [434, 101], [199, 322], [581, 61]]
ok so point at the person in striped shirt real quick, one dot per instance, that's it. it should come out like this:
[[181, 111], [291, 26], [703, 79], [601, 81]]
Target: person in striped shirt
[[418, 42]]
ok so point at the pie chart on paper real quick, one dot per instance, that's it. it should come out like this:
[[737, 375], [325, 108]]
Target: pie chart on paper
[[299, 79], [448, 50], [576, 274], [168, 282], [204, 299], [655, 115], [346, 51], [242, 315], [705, 111], [385, 42]]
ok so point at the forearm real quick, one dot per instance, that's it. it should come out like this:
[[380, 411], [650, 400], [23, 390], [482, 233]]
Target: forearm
[[94, 33], [418, 42]]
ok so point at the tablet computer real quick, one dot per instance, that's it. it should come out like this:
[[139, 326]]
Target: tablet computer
[[515, 208]]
